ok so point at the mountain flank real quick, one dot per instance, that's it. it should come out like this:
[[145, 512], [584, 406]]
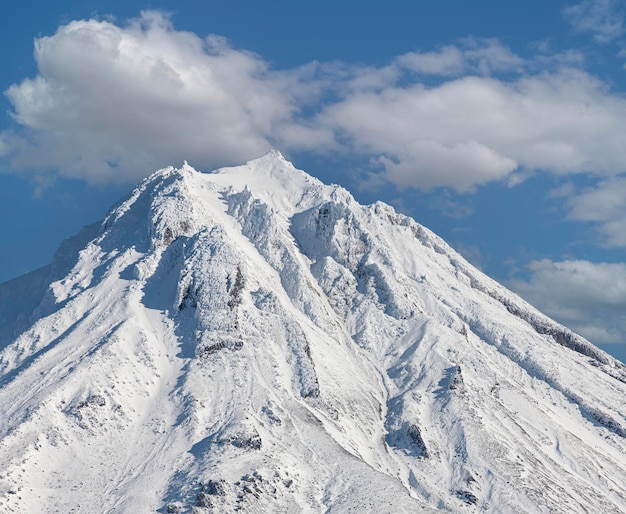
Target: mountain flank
[[253, 340]]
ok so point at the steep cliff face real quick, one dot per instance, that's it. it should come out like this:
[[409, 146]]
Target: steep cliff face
[[254, 340]]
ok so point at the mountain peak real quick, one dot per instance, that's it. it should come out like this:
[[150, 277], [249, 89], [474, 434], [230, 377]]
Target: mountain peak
[[272, 155], [269, 163], [254, 340]]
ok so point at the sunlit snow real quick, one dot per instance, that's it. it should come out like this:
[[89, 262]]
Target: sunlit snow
[[253, 340]]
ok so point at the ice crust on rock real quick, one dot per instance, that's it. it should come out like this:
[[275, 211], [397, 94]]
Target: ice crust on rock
[[253, 340]]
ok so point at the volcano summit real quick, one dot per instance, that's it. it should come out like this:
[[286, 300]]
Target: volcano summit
[[253, 340]]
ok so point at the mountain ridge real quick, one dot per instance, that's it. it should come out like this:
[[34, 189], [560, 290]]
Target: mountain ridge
[[256, 339]]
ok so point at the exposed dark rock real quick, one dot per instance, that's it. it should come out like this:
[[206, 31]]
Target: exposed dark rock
[[215, 488], [203, 500], [456, 381], [79, 411], [415, 434], [236, 289], [96, 400], [246, 441], [222, 345], [467, 497], [190, 299], [168, 236]]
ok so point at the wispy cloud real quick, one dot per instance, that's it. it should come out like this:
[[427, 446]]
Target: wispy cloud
[[604, 205], [112, 103], [473, 55], [588, 297], [604, 19]]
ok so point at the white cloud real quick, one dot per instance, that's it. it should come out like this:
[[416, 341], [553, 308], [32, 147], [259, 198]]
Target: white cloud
[[460, 165], [473, 130], [449, 60], [115, 102], [482, 56], [602, 18], [487, 56], [605, 205], [588, 297]]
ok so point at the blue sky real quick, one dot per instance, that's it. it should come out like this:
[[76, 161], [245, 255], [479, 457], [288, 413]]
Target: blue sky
[[499, 125]]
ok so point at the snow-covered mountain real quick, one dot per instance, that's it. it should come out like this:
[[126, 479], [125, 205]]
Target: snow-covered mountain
[[253, 340]]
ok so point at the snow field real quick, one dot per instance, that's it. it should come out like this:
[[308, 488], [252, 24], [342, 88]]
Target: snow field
[[252, 340]]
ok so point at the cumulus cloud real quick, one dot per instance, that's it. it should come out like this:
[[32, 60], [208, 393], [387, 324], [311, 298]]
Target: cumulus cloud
[[602, 18], [114, 102], [472, 130], [604, 205], [586, 296]]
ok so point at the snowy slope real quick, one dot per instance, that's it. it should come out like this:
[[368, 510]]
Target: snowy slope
[[253, 340]]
